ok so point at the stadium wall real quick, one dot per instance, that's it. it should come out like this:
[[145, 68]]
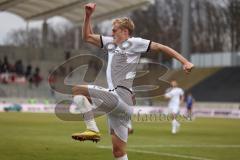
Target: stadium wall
[[141, 113]]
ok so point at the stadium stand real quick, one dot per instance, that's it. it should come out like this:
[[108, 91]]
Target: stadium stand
[[46, 63], [196, 76], [223, 86]]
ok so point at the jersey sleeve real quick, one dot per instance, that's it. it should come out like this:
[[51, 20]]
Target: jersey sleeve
[[181, 92], [105, 40], [141, 45], [168, 94]]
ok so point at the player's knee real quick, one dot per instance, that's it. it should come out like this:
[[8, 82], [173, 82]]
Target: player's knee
[[80, 90], [75, 90], [118, 152]]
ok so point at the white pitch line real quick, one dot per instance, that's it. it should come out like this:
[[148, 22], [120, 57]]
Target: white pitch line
[[185, 146], [169, 154], [161, 154]]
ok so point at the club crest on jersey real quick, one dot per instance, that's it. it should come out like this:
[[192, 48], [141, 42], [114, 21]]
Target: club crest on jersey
[[125, 45]]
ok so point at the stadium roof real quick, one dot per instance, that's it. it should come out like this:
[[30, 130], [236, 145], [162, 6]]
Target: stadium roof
[[70, 9]]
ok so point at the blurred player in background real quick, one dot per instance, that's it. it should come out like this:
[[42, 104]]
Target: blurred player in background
[[189, 100], [176, 97], [124, 52]]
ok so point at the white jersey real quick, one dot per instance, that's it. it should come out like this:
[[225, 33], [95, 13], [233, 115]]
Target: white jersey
[[123, 59], [175, 96]]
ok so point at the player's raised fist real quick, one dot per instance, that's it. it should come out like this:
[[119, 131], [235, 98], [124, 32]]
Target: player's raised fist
[[187, 67], [89, 8]]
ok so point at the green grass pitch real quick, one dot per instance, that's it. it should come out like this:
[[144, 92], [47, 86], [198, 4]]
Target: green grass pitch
[[33, 136]]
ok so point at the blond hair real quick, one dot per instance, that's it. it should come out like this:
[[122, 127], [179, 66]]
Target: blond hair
[[125, 23]]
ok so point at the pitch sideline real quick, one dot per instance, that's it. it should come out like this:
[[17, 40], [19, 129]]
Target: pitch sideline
[[159, 153]]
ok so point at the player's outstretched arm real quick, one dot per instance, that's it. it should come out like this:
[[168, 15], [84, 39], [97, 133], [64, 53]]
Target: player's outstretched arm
[[157, 47], [87, 33]]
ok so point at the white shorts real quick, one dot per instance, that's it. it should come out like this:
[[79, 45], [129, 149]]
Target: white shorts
[[117, 105], [173, 109]]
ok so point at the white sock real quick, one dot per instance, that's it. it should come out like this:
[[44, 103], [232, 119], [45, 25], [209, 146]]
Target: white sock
[[123, 157], [83, 103], [174, 125], [91, 125], [177, 123], [85, 107], [129, 125]]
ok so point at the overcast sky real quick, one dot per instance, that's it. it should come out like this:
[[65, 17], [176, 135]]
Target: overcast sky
[[11, 21]]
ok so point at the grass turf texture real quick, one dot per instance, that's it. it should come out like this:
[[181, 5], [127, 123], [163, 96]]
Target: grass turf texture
[[32, 136]]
